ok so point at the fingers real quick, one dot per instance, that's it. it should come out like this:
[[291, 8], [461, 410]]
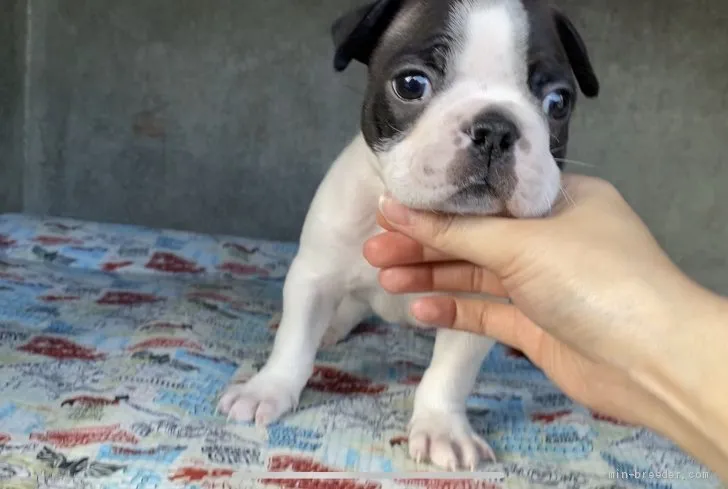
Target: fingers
[[502, 322], [488, 241], [443, 277], [393, 249], [382, 222]]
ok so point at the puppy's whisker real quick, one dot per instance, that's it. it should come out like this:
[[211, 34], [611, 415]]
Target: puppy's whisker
[[567, 197], [396, 131], [576, 162]]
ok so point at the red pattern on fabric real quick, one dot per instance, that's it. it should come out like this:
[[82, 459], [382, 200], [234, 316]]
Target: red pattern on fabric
[[398, 440], [115, 265], [291, 463], [85, 436], [5, 241], [332, 380], [550, 417], [448, 484], [161, 342], [412, 379], [60, 348], [197, 474], [608, 419], [169, 262], [93, 401]]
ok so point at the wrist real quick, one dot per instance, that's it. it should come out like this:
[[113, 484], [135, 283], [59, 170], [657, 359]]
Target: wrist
[[682, 371]]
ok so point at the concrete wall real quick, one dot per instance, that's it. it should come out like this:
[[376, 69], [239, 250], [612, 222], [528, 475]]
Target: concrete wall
[[12, 40], [221, 116], [660, 129]]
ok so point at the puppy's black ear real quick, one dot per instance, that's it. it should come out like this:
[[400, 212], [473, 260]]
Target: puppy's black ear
[[577, 53], [357, 33]]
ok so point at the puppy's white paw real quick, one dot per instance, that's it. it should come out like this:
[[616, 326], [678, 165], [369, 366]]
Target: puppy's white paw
[[262, 399], [446, 440]]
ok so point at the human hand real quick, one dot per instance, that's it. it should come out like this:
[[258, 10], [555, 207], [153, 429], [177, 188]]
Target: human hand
[[589, 287], [594, 301]]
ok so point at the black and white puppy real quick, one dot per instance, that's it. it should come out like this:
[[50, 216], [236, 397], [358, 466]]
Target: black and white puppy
[[467, 110]]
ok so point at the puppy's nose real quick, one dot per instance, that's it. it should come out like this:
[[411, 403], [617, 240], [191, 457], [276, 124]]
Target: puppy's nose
[[494, 132]]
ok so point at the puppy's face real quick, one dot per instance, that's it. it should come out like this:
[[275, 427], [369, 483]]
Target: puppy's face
[[468, 102]]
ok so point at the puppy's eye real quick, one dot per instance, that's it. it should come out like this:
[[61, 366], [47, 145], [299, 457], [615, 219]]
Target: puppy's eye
[[557, 104], [411, 86]]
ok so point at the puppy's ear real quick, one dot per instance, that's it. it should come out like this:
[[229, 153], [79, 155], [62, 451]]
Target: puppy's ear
[[357, 33], [577, 54]]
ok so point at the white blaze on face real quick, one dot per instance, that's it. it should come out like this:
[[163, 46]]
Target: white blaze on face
[[487, 69], [493, 38]]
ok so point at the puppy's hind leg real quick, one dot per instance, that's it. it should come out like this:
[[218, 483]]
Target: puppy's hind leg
[[439, 430], [310, 299], [348, 316]]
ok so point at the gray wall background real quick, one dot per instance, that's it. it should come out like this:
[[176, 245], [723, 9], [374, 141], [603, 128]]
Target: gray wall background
[[12, 40], [221, 116]]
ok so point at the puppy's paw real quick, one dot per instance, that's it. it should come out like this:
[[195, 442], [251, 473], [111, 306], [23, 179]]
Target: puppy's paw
[[446, 440], [262, 399]]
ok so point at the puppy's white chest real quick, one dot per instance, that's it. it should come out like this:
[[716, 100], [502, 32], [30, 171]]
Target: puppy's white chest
[[361, 278], [363, 285]]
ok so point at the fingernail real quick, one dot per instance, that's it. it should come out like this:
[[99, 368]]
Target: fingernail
[[393, 211]]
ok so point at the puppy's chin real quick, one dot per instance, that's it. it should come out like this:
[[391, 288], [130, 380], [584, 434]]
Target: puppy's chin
[[475, 200], [479, 200]]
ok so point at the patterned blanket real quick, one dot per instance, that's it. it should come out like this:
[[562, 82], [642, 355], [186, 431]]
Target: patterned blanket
[[115, 342]]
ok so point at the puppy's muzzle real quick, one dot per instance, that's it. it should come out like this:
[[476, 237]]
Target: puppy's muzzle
[[493, 135]]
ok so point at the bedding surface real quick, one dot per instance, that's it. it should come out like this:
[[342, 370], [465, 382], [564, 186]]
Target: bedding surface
[[116, 341]]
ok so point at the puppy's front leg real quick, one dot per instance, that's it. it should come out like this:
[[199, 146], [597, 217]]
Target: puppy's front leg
[[310, 298], [439, 430]]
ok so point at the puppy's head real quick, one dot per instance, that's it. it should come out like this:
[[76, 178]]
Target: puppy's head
[[468, 101]]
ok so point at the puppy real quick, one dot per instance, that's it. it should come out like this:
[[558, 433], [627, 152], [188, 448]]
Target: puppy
[[466, 111]]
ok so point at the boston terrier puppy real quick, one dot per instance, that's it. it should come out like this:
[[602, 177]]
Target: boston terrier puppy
[[466, 111]]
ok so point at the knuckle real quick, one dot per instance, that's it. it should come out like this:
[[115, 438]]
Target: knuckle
[[484, 317], [476, 279], [607, 187], [601, 186]]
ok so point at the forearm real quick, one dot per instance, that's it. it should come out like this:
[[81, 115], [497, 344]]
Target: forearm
[[687, 374]]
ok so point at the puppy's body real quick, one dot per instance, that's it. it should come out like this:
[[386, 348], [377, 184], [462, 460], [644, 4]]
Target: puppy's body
[[466, 109]]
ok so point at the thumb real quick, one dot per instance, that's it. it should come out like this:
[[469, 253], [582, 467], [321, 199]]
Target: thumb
[[490, 242]]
